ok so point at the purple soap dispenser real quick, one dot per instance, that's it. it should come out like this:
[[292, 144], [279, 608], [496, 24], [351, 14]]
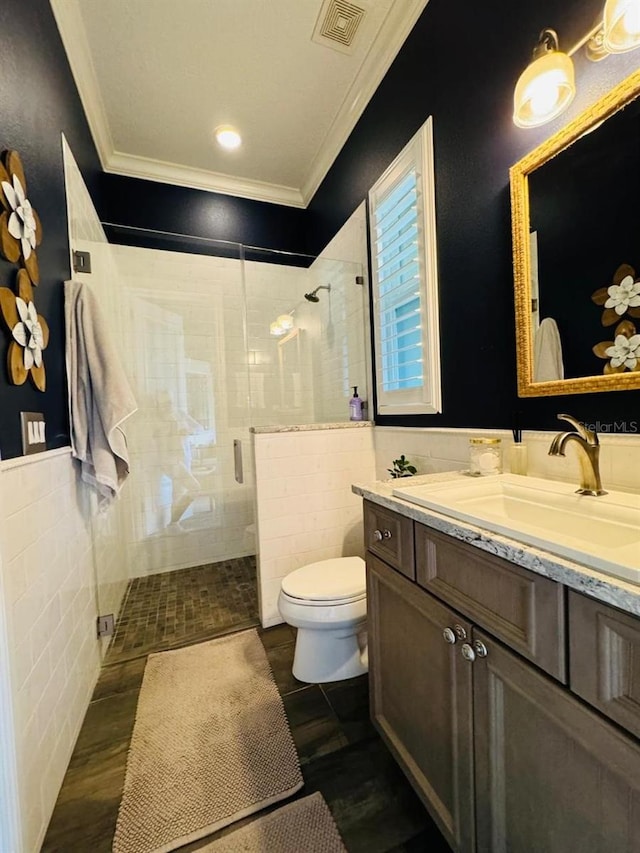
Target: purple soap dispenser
[[355, 406]]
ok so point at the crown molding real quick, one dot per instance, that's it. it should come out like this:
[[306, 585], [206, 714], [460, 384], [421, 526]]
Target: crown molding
[[74, 39], [384, 49], [381, 54], [163, 172]]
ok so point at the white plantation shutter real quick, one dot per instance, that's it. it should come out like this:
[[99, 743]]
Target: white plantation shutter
[[404, 282]]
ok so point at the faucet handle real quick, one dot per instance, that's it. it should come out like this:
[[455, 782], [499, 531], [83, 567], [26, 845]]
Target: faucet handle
[[589, 435]]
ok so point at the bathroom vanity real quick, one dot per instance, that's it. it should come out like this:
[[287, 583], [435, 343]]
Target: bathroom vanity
[[505, 681]]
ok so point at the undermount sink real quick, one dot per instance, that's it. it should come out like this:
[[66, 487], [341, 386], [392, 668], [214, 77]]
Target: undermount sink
[[600, 532]]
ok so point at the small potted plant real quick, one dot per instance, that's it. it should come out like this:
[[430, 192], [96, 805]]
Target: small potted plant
[[402, 468]]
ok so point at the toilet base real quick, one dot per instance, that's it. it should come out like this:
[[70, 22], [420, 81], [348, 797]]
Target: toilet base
[[329, 655]]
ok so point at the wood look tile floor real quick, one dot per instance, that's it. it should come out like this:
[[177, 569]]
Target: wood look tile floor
[[340, 753]]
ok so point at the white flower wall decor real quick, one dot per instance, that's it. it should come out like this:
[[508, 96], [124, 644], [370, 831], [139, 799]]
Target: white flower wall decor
[[29, 333], [622, 353], [624, 295], [621, 297], [20, 228], [625, 351]]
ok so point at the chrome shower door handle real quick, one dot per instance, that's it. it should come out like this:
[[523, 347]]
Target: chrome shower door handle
[[237, 460]]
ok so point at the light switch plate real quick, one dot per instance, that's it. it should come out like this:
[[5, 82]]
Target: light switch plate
[[33, 432]]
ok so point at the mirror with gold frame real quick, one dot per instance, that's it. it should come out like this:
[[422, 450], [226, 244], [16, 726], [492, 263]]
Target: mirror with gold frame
[[575, 202]]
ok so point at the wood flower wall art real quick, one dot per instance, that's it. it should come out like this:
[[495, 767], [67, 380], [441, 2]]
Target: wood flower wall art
[[20, 228], [20, 234], [620, 298], [29, 332]]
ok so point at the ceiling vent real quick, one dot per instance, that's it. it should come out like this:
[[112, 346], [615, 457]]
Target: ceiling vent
[[337, 24]]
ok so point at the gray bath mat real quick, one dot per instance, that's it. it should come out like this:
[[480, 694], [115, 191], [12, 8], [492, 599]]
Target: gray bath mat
[[304, 826], [211, 744]]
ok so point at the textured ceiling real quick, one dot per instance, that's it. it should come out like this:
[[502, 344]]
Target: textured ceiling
[[157, 76]]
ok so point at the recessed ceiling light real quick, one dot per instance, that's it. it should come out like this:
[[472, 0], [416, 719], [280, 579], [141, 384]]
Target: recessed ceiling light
[[228, 136]]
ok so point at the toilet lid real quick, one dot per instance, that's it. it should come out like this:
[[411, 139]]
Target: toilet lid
[[329, 580]]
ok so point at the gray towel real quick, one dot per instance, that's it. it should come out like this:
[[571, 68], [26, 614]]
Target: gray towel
[[547, 355], [100, 398]]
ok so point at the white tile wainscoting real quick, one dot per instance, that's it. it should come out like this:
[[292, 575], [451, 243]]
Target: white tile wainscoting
[[435, 450], [47, 569], [306, 510]]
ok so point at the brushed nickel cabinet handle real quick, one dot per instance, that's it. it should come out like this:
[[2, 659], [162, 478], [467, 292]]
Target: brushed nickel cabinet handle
[[378, 535], [449, 636], [480, 649], [468, 652], [386, 534]]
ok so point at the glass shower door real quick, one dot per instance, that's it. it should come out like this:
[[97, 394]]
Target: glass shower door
[[187, 361]]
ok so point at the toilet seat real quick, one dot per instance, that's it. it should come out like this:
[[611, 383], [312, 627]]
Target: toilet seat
[[326, 583]]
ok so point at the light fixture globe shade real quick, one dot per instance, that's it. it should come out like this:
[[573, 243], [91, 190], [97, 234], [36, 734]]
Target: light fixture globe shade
[[285, 321], [228, 137], [276, 329], [621, 25], [545, 89]]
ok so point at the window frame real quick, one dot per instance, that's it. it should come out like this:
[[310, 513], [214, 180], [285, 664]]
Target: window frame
[[427, 398]]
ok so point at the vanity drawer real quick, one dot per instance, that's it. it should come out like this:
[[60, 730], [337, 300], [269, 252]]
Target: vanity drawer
[[520, 608], [604, 662], [390, 537]]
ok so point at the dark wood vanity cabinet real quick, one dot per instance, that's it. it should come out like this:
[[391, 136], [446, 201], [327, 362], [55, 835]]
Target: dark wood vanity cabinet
[[550, 774], [605, 659], [504, 756], [420, 690]]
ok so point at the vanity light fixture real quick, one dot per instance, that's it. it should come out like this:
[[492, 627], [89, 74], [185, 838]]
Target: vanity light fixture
[[621, 25], [547, 85], [285, 321], [281, 325], [228, 137]]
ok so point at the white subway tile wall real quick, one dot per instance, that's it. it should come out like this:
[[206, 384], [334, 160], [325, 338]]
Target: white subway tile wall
[[47, 565], [434, 450], [306, 510], [344, 321]]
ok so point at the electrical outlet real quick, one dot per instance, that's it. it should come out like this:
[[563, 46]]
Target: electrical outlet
[[33, 432]]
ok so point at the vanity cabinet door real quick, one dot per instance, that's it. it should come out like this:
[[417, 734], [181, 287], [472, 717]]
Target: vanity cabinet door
[[420, 694], [551, 775], [605, 659]]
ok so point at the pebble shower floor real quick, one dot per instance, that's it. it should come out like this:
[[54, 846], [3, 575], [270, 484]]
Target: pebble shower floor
[[177, 608]]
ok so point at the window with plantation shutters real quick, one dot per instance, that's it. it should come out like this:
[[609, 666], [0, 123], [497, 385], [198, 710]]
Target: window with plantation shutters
[[404, 282]]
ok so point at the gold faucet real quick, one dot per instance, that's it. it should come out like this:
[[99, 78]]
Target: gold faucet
[[588, 454]]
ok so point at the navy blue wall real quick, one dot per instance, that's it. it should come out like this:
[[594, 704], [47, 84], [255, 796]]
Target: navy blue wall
[[145, 204], [38, 101], [459, 64]]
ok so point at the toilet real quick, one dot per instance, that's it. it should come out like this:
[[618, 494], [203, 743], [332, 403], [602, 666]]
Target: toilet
[[327, 603]]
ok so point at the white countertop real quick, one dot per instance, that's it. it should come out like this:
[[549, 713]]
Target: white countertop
[[606, 588]]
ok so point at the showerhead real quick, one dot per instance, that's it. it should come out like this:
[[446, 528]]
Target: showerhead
[[312, 297]]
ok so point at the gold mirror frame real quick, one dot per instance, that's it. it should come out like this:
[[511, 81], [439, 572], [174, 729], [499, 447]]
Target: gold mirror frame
[[610, 103]]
